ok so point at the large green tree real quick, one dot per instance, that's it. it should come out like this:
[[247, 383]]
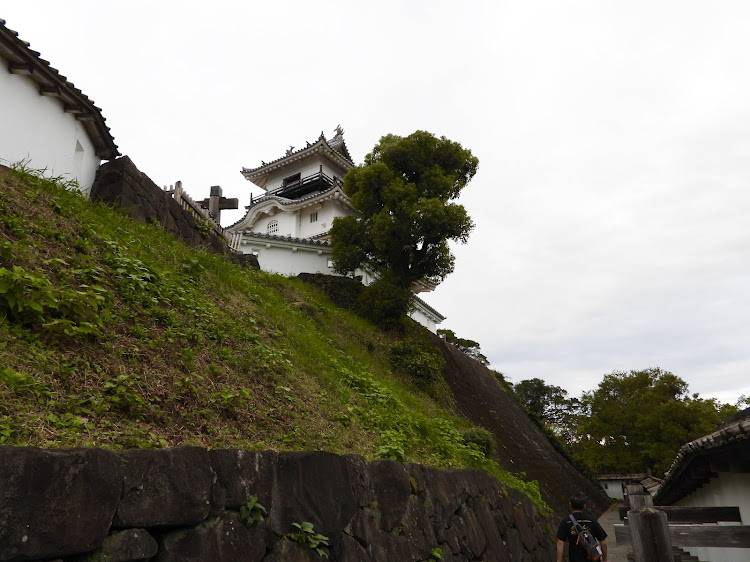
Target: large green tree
[[638, 420], [469, 347], [404, 194], [550, 405]]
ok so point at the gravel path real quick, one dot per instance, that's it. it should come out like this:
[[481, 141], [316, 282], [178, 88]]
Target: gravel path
[[616, 553]]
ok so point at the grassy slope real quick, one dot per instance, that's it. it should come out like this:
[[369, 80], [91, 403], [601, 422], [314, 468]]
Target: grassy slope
[[114, 334]]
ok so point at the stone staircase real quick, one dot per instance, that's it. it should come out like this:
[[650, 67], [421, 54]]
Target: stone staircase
[[682, 556], [679, 556]]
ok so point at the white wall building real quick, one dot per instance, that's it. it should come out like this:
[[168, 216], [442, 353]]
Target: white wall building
[[713, 471], [47, 123], [614, 484], [287, 228]]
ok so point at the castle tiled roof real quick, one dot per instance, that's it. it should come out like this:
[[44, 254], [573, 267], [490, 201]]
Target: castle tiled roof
[[429, 308], [696, 461], [335, 149], [285, 201], [24, 60], [311, 241]]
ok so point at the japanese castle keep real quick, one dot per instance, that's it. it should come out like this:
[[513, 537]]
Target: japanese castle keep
[[287, 227]]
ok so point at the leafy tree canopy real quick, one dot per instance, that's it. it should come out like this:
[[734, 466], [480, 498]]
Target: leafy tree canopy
[[469, 347], [550, 405], [403, 194], [639, 419]]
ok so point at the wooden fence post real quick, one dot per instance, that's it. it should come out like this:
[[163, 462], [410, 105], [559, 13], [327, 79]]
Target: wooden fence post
[[650, 535]]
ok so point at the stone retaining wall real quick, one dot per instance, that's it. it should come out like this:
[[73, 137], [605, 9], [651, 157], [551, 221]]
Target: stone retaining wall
[[183, 505], [119, 182]]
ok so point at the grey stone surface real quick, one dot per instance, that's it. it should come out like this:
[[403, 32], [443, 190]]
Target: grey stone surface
[[392, 489], [314, 487], [165, 487], [55, 503], [223, 538], [183, 504], [244, 473], [288, 551], [129, 545]]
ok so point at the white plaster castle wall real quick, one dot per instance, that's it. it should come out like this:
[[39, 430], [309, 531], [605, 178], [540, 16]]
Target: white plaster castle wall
[[35, 129], [285, 261], [729, 489], [332, 210], [327, 211], [419, 316], [308, 229], [288, 224]]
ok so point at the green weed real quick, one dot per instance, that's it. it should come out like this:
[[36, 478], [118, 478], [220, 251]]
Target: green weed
[[252, 512], [305, 534]]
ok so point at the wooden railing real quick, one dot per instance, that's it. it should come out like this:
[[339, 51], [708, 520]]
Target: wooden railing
[[302, 186], [653, 531], [190, 205]]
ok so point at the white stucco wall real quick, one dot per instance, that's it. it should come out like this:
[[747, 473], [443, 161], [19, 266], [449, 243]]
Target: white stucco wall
[[288, 224], [36, 129], [308, 229], [728, 489], [613, 488], [286, 261], [327, 211], [426, 321]]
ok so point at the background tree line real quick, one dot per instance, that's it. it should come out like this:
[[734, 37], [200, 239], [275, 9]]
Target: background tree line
[[633, 421]]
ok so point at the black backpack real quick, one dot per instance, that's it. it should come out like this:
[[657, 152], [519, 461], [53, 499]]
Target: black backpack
[[589, 542]]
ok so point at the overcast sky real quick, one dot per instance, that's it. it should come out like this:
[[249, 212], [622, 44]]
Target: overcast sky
[[611, 203]]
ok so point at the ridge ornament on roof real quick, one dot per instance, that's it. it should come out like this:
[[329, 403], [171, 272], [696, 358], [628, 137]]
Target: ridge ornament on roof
[[335, 150]]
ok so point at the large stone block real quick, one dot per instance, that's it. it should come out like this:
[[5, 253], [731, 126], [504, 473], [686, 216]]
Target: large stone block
[[166, 487], [392, 489], [288, 551], [244, 473], [224, 538], [57, 502], [129, 545], [314, 487]]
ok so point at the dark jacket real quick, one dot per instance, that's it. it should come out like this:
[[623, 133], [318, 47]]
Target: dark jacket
[[566, 532]]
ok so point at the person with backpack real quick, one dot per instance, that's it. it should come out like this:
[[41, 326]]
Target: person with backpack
[[585, 537]]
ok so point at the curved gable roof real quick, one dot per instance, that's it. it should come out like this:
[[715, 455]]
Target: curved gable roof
[[264, 203], [692, 467], [334, 150], [24, 60]]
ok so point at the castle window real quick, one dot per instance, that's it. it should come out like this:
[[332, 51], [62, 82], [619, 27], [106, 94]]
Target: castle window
[[314, 217], [273, 227], [290, 179]]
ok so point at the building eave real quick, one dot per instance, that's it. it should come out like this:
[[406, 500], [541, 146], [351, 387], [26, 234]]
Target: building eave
[[21, 59], [290, 242], [427, 308], [700, 460], [267, 202], [260, 174]]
